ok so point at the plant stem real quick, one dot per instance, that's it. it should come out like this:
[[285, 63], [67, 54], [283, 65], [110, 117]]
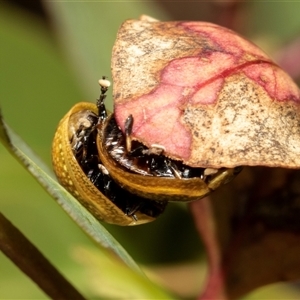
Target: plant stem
[[33, 263]]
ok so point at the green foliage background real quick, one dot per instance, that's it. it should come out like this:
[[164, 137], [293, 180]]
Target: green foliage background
[[44, 71]]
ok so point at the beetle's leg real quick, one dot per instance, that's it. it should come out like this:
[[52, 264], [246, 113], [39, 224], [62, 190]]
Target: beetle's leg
[[223, 176], [93, 175], [132, 209], [81, 145], [128, 131], [174, 169], [104, 84], [137, 151], [132, 214], [106, 182], [155, 149]]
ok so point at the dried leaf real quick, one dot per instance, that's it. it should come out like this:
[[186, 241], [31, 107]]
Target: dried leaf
[[208, 96]]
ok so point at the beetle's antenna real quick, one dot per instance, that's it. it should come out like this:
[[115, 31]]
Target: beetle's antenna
[[104, 84]]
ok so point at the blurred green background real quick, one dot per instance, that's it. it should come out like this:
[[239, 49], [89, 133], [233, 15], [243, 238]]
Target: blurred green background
[[52, 55]]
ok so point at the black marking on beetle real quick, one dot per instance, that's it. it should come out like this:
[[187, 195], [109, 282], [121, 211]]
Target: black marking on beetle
[[84, 148], [140, 159]]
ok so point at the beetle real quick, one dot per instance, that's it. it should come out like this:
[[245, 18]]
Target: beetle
[[117, 180]]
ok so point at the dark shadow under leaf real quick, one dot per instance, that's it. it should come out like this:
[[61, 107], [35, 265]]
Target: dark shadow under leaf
[[251, 229]]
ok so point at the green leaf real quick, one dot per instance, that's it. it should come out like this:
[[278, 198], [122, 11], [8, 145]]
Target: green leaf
[[45, 177], [87, 31], [134, 275], [104, 282]]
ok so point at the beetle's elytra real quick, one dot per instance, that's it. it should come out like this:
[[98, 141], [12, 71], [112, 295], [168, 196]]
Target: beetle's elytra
[[119, 185]]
